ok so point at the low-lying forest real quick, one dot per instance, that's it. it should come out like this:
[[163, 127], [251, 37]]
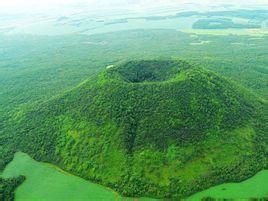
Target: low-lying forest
[[40, 100]]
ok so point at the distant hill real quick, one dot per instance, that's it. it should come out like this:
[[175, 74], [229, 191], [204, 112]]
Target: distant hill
[[157, 128]]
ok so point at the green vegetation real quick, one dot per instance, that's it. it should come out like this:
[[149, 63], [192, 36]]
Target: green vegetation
[[255, 187], [33, 69], [154, 128], [222, 23], [8, 186], [49, 183], [43, 178]]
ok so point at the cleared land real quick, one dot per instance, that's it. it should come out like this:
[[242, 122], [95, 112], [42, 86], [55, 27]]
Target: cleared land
[[255, 187]]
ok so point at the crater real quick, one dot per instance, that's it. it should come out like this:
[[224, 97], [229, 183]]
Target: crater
[[149, 70]]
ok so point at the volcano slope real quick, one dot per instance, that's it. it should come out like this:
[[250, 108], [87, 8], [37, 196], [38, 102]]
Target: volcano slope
[[158, 128]]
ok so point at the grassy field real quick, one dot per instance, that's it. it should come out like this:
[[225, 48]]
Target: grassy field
[[45, 182], [255, 187]]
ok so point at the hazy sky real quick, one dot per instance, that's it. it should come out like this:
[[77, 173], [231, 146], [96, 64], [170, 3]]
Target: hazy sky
[[46, 4], [10, 3]]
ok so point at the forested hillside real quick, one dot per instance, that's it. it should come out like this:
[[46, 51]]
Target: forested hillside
[[158, 128]]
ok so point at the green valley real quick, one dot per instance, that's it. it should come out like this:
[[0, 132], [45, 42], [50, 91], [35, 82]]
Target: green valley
[[133, 100]]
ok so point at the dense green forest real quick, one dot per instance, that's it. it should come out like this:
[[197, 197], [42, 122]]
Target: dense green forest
[[8, 186], [145, 127], [35, 69]]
